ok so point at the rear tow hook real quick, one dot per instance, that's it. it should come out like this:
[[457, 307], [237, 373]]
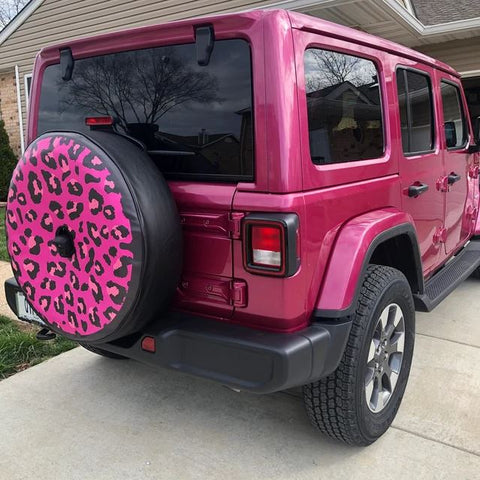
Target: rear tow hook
[[46, 334]]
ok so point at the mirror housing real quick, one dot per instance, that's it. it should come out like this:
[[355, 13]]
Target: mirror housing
[[475, 147]]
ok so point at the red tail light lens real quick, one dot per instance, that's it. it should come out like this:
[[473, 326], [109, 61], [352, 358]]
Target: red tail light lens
[[148, 344], [99, 121], [267, 246]]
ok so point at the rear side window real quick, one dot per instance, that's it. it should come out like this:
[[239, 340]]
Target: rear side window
[[196, 121], [344, 107], [416, 111], [453, 116]]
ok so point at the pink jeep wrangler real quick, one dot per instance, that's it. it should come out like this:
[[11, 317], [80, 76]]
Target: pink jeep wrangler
[[262, 199]]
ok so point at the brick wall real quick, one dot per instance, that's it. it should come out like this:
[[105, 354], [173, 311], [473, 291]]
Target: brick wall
[[9, 108]]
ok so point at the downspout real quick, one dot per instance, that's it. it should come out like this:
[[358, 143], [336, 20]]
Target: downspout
[[19, 104]]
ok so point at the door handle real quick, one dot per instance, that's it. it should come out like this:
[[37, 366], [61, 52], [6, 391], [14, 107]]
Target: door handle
[[417, 189], [453, 178]]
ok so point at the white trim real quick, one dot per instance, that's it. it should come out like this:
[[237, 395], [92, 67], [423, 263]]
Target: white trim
[[27, 90], [470, 73], [19, 104], [19, 19], [409, 6]]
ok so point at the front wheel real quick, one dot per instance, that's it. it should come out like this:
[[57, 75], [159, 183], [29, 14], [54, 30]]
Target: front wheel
[[358, 402]]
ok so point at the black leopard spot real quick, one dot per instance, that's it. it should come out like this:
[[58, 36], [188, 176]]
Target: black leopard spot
[[31, 267], [19, 215], [93, 233], [47, 159], [31, 215], [119, 232], [91, 257], [92, 161], [109, 212], [107, 259], [96, 289], [18, 175], [104, 233], [15, 248], [63, 164], [74, 280], [110, 313], [81, 306], [121, 270], [91, 179], [52, 182], [35, 248], [84, 287], [68, 295], [93, 317], [34, 187], [12, 193], [84, 325], [112, 251], [74, 188], [14, 265], [72, 318], [46, 222], [45, 302], [74, 209], [95, 201], [56, 208], [116, 292], [48, 284], [59, 305], [11, 220], [29, 290], [75, 263], [98, 268], [22, 199], [23, 239], [75, 150], [58, 269], [109, 185]]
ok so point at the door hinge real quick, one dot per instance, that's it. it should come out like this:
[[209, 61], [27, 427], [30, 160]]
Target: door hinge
[[235, 224], [238, 293], [440, 236]]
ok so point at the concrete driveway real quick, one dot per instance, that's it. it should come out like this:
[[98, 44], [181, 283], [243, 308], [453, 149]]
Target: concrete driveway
[[79, 416]]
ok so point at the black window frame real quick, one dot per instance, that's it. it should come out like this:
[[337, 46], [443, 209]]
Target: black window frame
[[462, 109], [381, 88], [433, 130]]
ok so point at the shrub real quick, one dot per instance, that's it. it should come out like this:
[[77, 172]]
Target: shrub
[[8, 162]]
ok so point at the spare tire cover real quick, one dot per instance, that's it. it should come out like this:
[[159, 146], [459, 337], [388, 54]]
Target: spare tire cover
[[93, 235]]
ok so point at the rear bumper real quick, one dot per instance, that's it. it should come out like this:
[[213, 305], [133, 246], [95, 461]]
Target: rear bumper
[[243, 358]]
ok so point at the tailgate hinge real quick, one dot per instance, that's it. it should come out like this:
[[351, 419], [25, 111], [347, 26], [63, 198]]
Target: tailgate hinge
[[238, 293], [235, 224]]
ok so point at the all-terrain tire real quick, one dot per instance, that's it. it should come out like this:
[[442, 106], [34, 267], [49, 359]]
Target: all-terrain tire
[[337, 405], [103, 353]]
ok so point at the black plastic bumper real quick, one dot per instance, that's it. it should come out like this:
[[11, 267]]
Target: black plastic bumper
[[243, 358]]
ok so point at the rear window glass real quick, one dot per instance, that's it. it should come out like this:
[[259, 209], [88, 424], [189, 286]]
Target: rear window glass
[[344, 107], [196, 121]]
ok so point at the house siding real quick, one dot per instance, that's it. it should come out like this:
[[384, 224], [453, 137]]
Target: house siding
[[55, 21]]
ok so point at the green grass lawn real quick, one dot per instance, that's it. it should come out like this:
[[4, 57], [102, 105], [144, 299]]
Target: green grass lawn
[[20, 349], [3, 242]]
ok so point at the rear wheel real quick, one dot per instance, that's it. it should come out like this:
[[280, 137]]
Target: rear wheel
[[103, 353], [358, 402]]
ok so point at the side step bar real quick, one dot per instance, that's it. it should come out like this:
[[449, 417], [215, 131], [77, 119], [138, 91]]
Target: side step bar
[[449, 277]]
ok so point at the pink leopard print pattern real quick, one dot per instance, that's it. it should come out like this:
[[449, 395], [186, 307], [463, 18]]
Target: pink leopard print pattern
[[59, 183]]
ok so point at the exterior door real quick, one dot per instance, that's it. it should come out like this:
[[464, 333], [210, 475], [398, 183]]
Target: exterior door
[[458, 165], [422, 164]]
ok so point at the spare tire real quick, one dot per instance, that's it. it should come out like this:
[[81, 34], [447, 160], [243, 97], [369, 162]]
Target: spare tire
[[94, 235]]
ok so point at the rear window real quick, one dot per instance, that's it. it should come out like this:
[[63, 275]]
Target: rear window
[[196, 121]]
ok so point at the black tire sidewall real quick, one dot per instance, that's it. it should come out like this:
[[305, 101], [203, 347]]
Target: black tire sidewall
[[371, 424]]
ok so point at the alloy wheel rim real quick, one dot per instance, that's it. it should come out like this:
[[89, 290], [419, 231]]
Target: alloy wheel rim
[[385, 357]]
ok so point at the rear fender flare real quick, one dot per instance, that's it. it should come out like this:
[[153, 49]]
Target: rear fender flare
[[351, 254]]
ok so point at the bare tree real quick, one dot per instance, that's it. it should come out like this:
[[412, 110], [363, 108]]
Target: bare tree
[[140, 87], [8, 10], [331, 68]]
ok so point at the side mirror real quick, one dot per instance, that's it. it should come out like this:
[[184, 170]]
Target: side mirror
[[475, 147], [450, 134]]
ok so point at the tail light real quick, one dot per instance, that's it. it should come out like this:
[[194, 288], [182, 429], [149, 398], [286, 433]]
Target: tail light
[[99, 121], [270, 244]]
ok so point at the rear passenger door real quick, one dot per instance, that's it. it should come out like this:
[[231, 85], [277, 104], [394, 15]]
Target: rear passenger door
[[458, 170], [421, 163]]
